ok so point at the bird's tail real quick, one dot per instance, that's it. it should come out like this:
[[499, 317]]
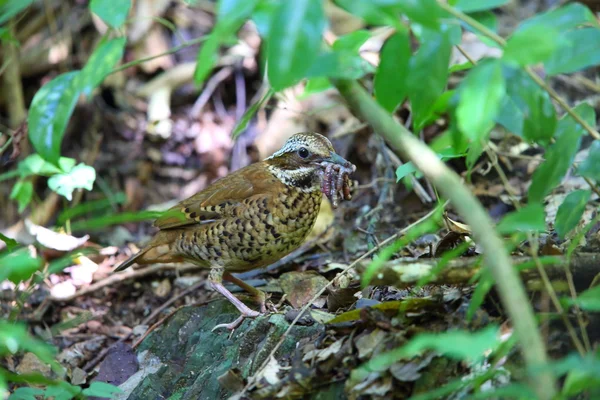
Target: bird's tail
[[158, 251]]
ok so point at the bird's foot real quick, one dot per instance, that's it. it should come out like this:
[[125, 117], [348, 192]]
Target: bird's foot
[[233, 325]]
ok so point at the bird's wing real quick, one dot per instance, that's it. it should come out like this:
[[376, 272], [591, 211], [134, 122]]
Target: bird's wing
[[221, 199]]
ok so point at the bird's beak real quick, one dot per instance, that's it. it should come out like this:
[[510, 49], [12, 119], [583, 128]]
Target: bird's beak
[[335, 158]]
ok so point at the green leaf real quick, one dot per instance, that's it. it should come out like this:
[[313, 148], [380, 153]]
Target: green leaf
[[530, 218], [22, 192], [371, 12], [590, 167], [34, 164], [589, 300], [563, 18], [579, 50], [468, 6], [49, 114], [532, 45], [570, 212], [250, 112], [102, 389], [26, 393], [100, 64], [113, 12], [352, 41], [510, 116], [62, 391], [316, 85], [578, 380], [428, 74], [560, 155], [10, 8], [207, 57], [405, 170], [343, 64], [232, 12], [532, 103], [293, 46], [263, 15], [10, 243], [392, 72], [481, 94], [18, 266], [80, 177], [424, 12]]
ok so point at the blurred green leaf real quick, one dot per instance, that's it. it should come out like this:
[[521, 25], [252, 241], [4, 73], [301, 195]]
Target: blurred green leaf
[[343, 64], [80, 177], [22, 192], [207, 57], [579, 50], [114, 219], [18, 265], [510, 116], [15, 338], [234, 12], [588, 300], [563, 18], [90, 206], [10, 243], [49, 114], [424, 12], [10, 8], [532, 103], [391, 77], [250, 112], [294, 46], [428, 74], [100, 64], [559, 156], [352, 41], [469, 6], [26, 393], [372, 12], [263, 15], [34, 164], [579, 380], [570, 212], [113, 12], [316, 85], [531, 218], [532, 45], [590, 167], [487, 19], [481, 94], [62, 391], [102, 389]]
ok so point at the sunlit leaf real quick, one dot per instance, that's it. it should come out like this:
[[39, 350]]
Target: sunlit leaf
[[424, 12], [49, 114], [392, 73], [530, 218], [100, 64], [113, 12], [10, 243], [294, 45], [532, 45], [19, 265], [352, 41], [563, 18], [481, 94], [570, 212], [579, 50], [80, 177]]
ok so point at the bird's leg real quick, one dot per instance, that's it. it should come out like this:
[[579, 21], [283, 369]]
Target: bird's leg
[[258, 294], [216, 281]]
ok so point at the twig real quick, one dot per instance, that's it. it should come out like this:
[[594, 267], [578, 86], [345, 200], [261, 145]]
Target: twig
[[303, 310], [13, 87], [211, 86]]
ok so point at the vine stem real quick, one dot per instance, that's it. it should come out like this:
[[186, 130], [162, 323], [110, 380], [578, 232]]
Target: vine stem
[[509, 285], [485, 31]]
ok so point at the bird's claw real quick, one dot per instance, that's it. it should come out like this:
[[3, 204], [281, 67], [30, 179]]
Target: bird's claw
[[233, 325]]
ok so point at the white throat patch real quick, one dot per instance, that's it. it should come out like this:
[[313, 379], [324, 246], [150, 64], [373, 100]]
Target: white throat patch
[[305, 179]]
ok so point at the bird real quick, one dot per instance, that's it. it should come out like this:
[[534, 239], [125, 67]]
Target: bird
[[252, 217]]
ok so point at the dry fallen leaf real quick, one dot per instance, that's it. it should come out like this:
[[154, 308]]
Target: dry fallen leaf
[[301, 287], [54, 240]]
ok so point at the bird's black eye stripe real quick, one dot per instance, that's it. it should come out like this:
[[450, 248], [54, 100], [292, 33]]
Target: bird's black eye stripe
[[303, 152]]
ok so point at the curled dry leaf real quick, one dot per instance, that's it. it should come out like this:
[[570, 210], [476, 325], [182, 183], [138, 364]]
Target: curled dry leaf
[[54, 240]]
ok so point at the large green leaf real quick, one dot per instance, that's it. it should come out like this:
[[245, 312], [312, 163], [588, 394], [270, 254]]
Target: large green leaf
[[294, 41], [49, 114], [100, 64], [510, 116], [590, 299], [530, 218], [424, 12], [352, 41], [590, 167], [207, 57], [392, 72], [113, 12], [102, 389], [469, 6], [19, 265], [481, 94], [10, 8], [532, 45], [343, 64], [570, 212], [560, 155], [563, 18], [428, 74], [579, 50], [372, 12], [533, 103]]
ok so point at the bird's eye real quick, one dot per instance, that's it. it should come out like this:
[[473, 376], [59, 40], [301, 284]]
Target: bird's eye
[[303, 152]]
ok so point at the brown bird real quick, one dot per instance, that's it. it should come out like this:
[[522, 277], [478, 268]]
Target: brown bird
[[252, 217]]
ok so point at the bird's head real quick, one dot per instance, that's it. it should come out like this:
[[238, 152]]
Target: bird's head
[[303, 160]]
